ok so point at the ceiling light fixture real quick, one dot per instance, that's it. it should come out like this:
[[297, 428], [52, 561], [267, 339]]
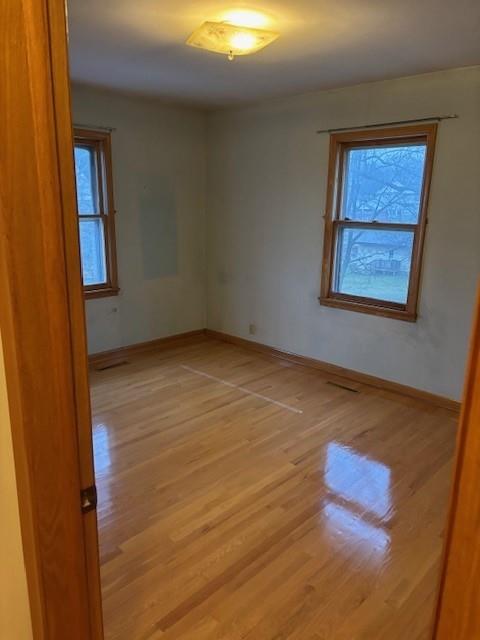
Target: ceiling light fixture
[[231, 39]]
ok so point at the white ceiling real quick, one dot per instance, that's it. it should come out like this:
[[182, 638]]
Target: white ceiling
[[138, 45]]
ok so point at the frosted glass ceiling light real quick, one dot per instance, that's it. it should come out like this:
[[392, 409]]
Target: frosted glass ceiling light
[[230, 39]]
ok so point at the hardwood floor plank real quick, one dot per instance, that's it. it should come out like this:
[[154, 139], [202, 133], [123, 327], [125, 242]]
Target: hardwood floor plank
[[241, 497]]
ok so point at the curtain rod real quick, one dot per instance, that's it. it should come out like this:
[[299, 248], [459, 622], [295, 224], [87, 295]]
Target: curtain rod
[[390, 124], [93, 127]]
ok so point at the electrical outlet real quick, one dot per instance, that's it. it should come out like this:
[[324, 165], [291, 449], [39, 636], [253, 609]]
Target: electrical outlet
[[252, 329]]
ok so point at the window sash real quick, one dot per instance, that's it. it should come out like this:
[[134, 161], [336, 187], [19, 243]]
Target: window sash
[[343, 162], [334, 223], [377, 303], [96, 178], [98, 223], [338, 226]]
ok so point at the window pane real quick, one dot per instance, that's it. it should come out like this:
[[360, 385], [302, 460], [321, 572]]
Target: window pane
[[384, 183], [92, 249], [374, 263], [86, 177]]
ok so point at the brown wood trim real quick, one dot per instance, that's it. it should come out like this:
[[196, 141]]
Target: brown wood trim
[[114, 355], [36, 322], [459, 593], [373, 309], [102, 143], [62, 101], [331, 206], [106, 292], [339, 142], [380, 226], [341, 372]]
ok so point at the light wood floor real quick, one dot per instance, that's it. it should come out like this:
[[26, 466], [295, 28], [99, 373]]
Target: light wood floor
[[241, 497]]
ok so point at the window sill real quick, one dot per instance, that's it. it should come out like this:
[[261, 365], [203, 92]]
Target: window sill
[[361, 307], [105, 292]]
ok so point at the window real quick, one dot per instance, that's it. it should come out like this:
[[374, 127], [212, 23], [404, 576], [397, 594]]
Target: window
[[93, 173], [375, 219]]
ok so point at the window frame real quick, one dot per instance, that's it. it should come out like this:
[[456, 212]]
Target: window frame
[[340, 143], [100, 143]]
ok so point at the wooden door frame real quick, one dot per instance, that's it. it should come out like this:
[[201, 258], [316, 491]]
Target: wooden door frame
[[458, 608], [43, 333], [42, 323]]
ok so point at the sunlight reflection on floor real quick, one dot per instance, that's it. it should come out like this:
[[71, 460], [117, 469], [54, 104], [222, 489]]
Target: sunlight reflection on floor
[[359, 503]]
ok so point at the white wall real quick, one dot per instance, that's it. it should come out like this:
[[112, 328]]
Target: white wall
[[267, 174], [15, 622], [159, 182]]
